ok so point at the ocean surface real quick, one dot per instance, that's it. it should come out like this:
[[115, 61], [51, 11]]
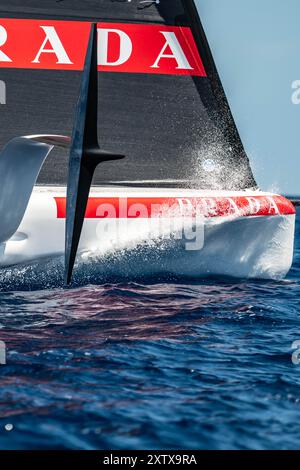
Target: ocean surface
[[149, 365]]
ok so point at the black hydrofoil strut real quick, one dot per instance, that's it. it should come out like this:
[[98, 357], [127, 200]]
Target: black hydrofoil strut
[[85, 154]]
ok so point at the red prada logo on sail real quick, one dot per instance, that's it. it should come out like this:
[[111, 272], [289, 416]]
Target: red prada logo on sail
[[122, 47]]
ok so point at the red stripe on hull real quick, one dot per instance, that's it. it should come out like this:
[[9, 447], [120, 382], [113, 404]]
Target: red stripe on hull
[[153, 207]]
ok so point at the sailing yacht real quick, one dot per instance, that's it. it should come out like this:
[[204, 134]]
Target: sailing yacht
[[152, 165]]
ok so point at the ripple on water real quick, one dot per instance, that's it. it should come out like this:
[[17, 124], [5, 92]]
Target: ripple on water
[[150, 364]]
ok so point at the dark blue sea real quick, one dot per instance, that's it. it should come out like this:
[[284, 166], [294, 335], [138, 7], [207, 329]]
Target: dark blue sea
[[149, 365]]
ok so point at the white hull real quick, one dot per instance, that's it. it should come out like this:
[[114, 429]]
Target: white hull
[[235, 243]]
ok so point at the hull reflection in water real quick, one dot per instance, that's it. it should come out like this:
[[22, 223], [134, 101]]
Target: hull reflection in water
[[156, 365]]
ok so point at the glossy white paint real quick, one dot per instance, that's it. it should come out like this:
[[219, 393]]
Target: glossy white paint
[[258, 247]]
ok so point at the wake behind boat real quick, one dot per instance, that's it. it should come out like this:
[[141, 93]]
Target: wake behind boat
[[185, 187]]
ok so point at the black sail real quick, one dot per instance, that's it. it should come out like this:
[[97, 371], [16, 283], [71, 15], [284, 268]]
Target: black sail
[[175, 129]]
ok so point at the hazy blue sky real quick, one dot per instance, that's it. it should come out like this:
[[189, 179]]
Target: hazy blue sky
[[256, 46]]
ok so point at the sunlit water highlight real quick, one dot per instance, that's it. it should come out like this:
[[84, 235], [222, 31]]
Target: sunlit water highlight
[[150, 364]]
